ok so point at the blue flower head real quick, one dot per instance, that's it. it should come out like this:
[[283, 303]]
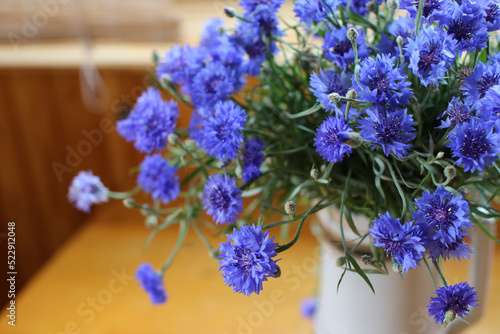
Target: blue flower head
[[491, 14], [331, 139], [309, 11], [152, 283], [150, 122], [393, 130], [402, 241], [433, 9], [338, 48], [456, 113], [431, 54], [212, 84], [87, 189], [222, 199], [488, 108], [308, 307], [452, 298], [219, 133], [326, 82], [247, 261], [381, 82], [403, 26], [466, 25], [252, 158], [442, 215], [476, 85], [475, 143], [157, 177]]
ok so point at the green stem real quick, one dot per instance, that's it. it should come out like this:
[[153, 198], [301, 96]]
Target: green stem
[[123, 195], [183, 230], [419, 16], [440, 273]]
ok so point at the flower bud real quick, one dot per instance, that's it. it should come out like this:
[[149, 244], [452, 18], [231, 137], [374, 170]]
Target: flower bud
[[450, 172], [352, 34], [354, 139], [351, 94], [151, 221], [393, 4], [370, 6], [214, 254], [400, 40], [172, 139], [314, 174], [278, 272], [155, 57], [230, 12], [366, 259], [145, 209], [340, 261], [440, 155], [396, 267], [465, 191], [290, 208], [334, 97], [129, 203]]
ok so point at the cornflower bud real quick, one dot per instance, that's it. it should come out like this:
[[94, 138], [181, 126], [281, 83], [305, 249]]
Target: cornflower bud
[[230, 12], [314, 174], [290, 208], [334, 97], [393, 4], [352, 34], [450, 172], [129, 203]]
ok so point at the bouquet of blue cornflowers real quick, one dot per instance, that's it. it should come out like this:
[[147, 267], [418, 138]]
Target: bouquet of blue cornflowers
[[386, 109]]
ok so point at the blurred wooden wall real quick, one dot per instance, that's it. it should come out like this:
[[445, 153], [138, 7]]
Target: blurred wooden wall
[[44, 142]]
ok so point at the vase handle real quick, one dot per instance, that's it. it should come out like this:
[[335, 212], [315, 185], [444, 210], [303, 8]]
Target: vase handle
[[479, 273]]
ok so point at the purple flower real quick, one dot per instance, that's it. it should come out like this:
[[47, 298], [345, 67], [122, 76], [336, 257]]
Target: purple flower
[[383, 82], [442, 215], [220, 133], [157, 177], [252, 158], [308, 307], [491, 14], [433, 9], [331, 138], [87, 189], [456, 249], [402, 241], [451, 301], [248, 260], [222, 199], [212, 84], [310, 11], [466, 24], [488, 108], [456, 113], [393, 130], [480, 81], [431, 54], [327, 82], [338, 48], [475, 143], [152, 283], [150, 122]]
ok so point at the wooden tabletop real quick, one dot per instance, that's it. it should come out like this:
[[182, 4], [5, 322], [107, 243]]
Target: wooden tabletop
[[88, 287]]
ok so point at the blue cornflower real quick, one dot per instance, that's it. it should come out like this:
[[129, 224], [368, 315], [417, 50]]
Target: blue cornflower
[[212, 84], [475, 143], [331, 139], [254, 6], [393, 130], [442, 215], [488, 108], [87, 189], [150, 122], [383, 82], [456, 113], [452, 301], [491, 14], [180, 64], [433, 9], [308, 307], [456, 249], [466, 24], [220, 133], [157, 177], [431, 54], [359, 6], [476, 85], [248, 260], [252, 158], [222, 199], [402, 241], [310, 11], [152, 282], [338, 48], [327, 82]]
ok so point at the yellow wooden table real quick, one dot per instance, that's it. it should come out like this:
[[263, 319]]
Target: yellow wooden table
[[88, 287]]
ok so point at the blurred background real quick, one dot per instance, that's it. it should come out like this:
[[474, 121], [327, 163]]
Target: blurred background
[[68, 70]]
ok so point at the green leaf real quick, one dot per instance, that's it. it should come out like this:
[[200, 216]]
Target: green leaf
[[361, 272], [315, 108]]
